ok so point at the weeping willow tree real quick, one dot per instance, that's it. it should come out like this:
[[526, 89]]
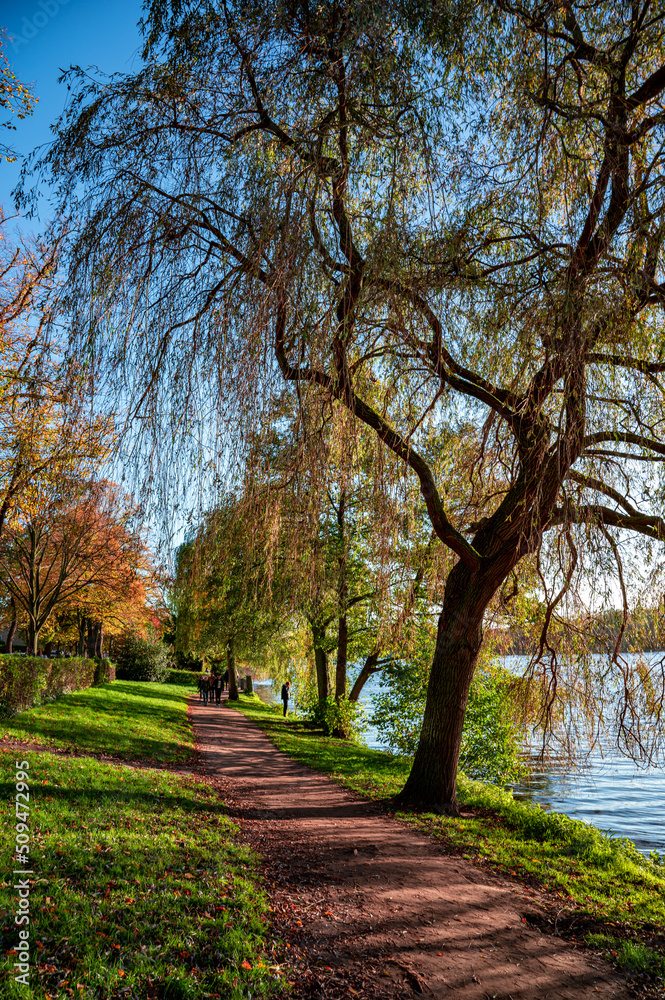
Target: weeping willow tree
[[352, 551], [423, 213], [219, 589]]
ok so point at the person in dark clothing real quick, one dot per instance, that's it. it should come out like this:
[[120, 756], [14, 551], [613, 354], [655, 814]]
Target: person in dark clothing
[[225, 679], [286, 688], [205, 682], [200, 687], [219, 683]]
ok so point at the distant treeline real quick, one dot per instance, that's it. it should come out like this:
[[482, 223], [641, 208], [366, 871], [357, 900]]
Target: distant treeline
[[644, 632]]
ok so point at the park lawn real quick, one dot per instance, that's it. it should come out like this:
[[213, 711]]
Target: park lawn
[[617, 893], [126, 719], [141, 888]]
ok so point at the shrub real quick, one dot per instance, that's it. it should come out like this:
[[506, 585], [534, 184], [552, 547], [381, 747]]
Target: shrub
[[344, 719], [142, 659], [490, 744], [29, 680], [182, 677]]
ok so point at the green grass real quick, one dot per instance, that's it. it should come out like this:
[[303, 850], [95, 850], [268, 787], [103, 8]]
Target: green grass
[[605, 880], [126, 719], [141, 888]]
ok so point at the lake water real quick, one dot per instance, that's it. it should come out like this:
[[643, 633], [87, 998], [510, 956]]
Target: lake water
[[609, 791]]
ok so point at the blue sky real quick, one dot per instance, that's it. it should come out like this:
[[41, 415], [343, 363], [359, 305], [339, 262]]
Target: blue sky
[[51, 35]]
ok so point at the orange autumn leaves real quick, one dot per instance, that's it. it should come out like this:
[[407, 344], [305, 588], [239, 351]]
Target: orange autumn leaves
[[78, 553]]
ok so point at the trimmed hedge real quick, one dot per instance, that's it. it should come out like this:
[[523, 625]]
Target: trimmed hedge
[[29, 680], [183, 677]]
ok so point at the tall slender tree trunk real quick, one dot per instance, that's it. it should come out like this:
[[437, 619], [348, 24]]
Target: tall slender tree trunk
[[91, 638], [82, 625], [33, 636], [231, 664], [321, 661], [99, 639], [342, 598], [342, 658], [11, 631]]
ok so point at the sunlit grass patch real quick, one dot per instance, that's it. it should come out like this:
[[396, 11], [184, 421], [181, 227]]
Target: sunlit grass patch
[[630, 955], [128, 719], [141, 888]]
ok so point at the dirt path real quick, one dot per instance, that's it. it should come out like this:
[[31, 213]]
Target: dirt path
[[374, 908]]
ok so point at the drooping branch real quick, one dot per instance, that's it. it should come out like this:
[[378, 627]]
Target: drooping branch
[[650, 525], [623, 437], [600, 487], [363, 411]]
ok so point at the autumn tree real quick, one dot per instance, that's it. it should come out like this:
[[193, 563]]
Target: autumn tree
[[73, 545], [16, 100], [461, 205]]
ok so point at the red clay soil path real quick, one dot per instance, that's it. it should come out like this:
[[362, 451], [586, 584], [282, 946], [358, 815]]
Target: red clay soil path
[[384, 912]]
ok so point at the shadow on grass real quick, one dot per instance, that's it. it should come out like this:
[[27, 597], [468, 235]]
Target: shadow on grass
[[144, 861], [118, 718]]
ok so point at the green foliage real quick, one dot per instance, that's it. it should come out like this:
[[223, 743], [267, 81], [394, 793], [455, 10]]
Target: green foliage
[[183, 677], [28, 680], [490, 745], [142, 659], [630, 955], [343, 719], [489, 741]]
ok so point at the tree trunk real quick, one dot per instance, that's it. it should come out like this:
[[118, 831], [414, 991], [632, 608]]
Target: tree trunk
[[432, 782], [33, 637], [231, 664], [99, 639], [342, 658], [11, 631], [342, 598], [48, 648], [321, 660], [369, 668], [91, 638], [82, 624]]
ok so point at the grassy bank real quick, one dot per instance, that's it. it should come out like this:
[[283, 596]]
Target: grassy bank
[[141, 885], [123, 718], [613, 893]]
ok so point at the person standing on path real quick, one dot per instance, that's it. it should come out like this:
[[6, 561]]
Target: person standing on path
[[219, 683], [286, 687], [205, 680]]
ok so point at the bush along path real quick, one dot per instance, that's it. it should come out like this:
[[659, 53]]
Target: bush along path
[[370, 907], [141, 886]]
